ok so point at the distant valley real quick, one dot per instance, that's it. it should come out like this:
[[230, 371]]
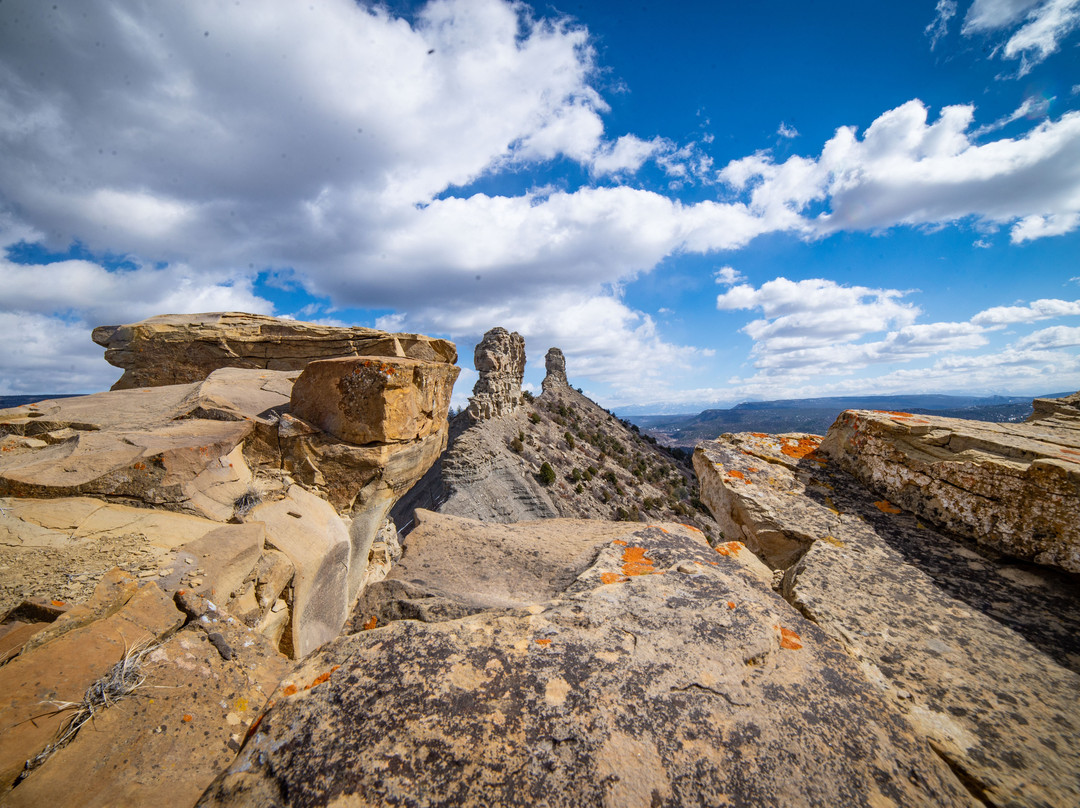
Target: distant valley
[[816, 415]]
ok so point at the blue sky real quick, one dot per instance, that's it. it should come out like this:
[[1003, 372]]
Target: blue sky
[[700, 203]]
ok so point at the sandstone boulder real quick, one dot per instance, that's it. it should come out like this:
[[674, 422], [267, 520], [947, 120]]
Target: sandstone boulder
[[181, 348], [663, 673], [981, 652], [1012, 487], [500, 361], [372, 400], [555, 364]]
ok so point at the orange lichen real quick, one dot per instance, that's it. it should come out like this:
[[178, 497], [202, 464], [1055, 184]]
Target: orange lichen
[[57, 602], [289, 690], [619, 542], [885, 506], [753, 469], [894, 414], [612, 578], [322, 677], [188, 718], [729, 548], [799, 448], [544, 641], [372, 623], [789, 639], [760, 434], [635, 562], [139, 467], [731, 604]]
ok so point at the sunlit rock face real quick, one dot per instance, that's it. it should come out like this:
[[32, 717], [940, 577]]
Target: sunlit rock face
[[903, 537], [500, 360], [182, 348]]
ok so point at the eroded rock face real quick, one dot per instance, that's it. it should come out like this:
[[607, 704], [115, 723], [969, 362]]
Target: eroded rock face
[[660, 673], [183, 348], [227, 449], [500, 360], [555, 363], [373, 400], [981, 652], [1012, 487]]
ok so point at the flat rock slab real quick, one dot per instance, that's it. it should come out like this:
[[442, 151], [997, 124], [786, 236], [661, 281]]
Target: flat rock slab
[[981, 652], [181, 348], [59, 548], [164, 744], [63, 669], [1013, 487], [664, 674]]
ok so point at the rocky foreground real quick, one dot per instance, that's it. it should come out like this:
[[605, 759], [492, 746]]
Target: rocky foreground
[[207, 604]]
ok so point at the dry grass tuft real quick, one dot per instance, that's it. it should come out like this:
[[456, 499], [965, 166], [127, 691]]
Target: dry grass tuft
[[122, 680]]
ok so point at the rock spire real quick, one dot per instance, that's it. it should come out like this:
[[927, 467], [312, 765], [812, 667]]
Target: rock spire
[[556, 370], [500, 359]]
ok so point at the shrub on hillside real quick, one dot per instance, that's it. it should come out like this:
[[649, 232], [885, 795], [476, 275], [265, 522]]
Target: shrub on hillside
[[547, 474]]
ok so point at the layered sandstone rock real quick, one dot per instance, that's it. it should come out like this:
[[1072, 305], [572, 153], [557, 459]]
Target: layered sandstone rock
[[500, 360], [183, 348], [1012, 487], [981, 652], [224, 449], [555, 364], [626, 665]]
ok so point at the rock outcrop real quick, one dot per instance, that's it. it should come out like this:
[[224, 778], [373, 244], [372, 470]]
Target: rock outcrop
[[628, 665], [500, 361], [599, 467], [235, 446], [184, 348], [1012, 487], [555, 364], [980, 651]]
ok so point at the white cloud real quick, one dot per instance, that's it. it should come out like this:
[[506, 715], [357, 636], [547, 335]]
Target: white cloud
[[944, 11], [787, 131], [628, 153], [905, 170], [1058, 336], [53, 356], [1034, 106], [1033, 312], [1045, 23], [727, 276]]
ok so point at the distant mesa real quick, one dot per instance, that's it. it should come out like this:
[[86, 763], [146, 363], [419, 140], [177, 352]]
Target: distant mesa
[[185, 348]]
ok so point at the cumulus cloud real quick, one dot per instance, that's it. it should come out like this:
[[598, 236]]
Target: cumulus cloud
[[1058, 336], [727, 276], [1033, 312], [906, 170], [787, 131], [1043, 26]]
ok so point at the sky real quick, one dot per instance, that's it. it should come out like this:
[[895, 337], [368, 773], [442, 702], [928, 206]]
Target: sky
[[700, 203]]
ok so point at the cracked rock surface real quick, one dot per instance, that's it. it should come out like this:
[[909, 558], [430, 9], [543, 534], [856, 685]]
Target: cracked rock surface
[[659, 673], [979, 649]]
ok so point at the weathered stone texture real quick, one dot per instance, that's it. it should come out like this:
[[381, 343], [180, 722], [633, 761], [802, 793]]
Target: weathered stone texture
[[1013, 487], [372, 400], [661, 674], [500, 360], [981, 652], [555, 364], [182, 348]]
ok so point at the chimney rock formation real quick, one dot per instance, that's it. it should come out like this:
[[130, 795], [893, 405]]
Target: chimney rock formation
[[500, 359], [556, 371]]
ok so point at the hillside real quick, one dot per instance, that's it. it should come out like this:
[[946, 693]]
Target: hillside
[[600, 467]]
